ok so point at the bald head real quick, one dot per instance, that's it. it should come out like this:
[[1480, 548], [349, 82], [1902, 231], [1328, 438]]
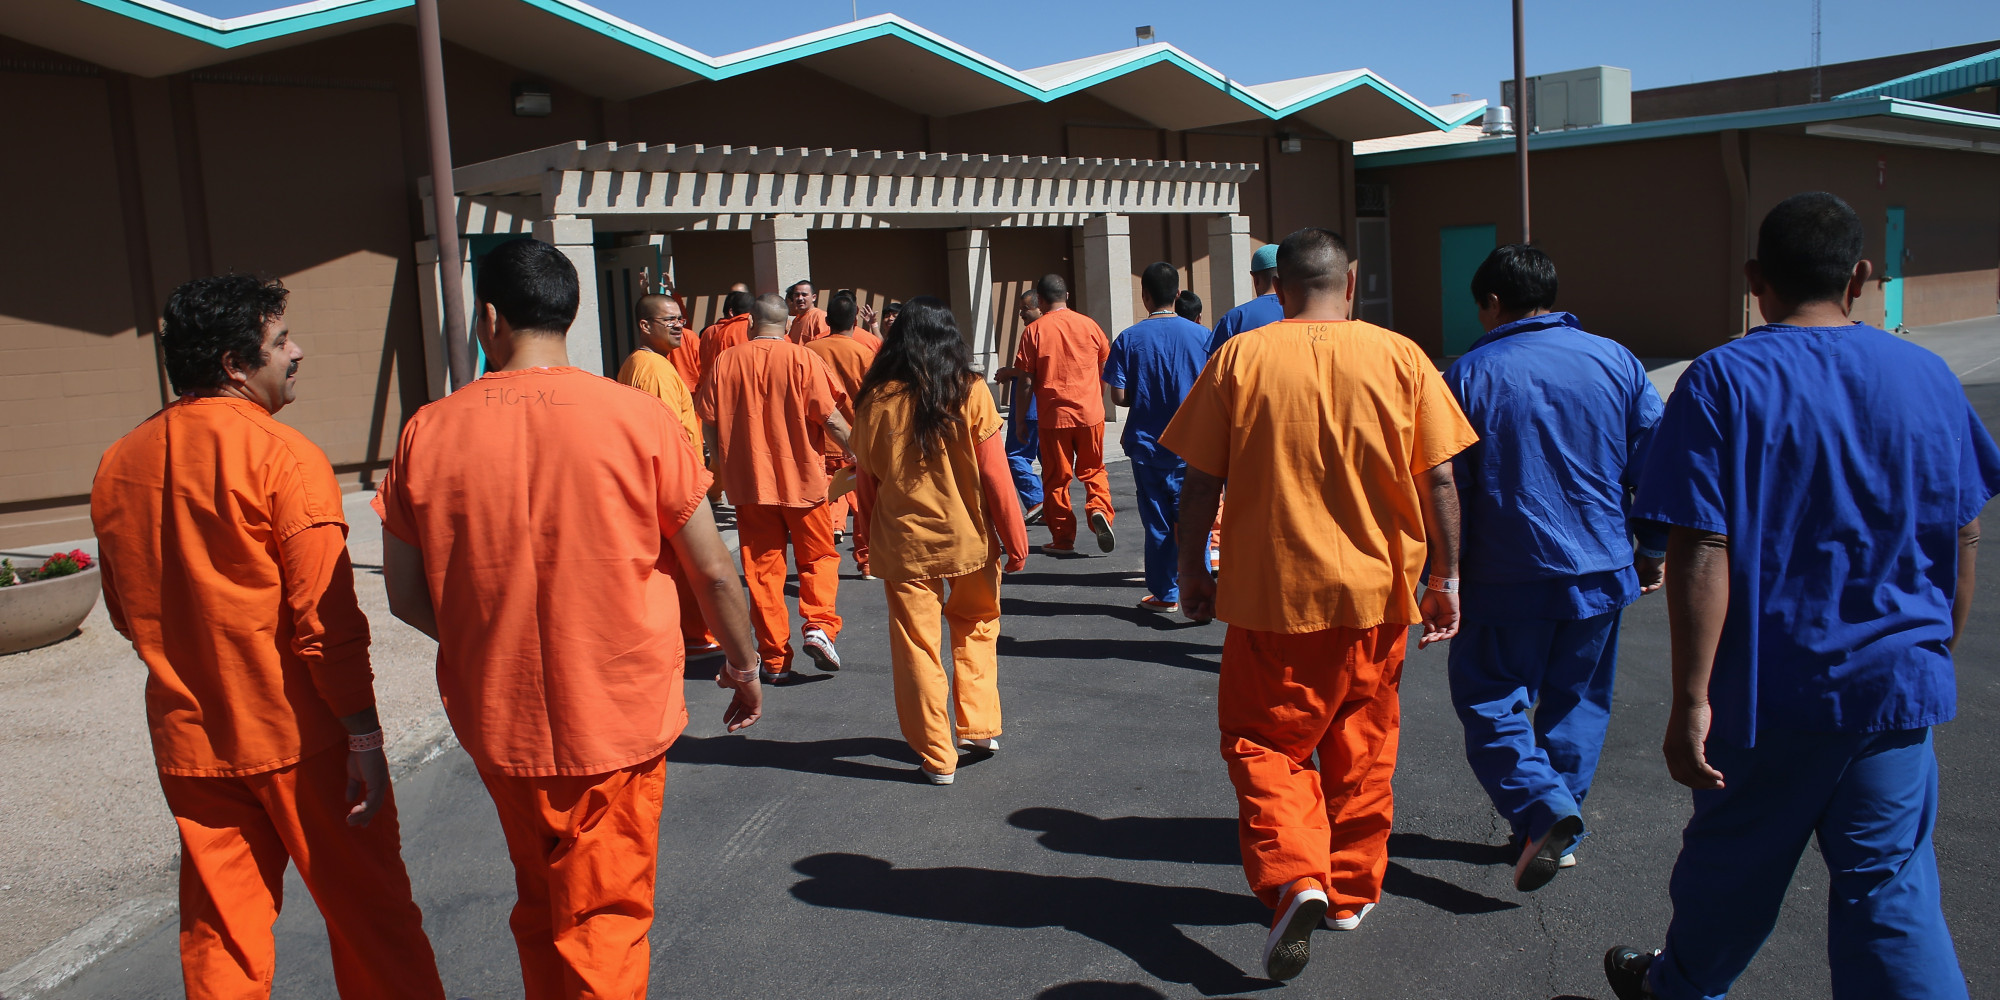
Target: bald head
[[740, 287], [651, 306], [1052, 290], [1312, 272], [768, 314]]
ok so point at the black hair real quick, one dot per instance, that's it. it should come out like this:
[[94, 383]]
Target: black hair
[[1160, 282], [736, 303], [1808, 246], [1052, 288], [840, 313], [530, 284], [1522, 277], [210, 323], [650, 305], [1314, 261], [926, 358], [1187, 305], [794, 286]]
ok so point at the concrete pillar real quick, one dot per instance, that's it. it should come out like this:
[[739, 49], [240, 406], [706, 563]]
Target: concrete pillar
[[1229, 249], [430, 306], [970, 264], [778, 249], [576, 238], [1107, 266]]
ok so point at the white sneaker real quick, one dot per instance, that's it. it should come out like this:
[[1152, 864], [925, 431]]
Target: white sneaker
[[1334, 923], [1289, 946], [820, 648], [938, 779], [989, 743], [1568, 861]]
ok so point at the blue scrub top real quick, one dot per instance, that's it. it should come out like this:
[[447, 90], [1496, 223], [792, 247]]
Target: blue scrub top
[[1156, 361], [1263, 310], [1563, 420], [1841, 462]]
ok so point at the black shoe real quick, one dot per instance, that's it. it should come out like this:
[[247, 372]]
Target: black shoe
[[1625, 969], [1542, 859]]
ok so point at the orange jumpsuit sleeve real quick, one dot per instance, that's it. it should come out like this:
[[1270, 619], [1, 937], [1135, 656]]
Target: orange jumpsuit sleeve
[[329, 632], [682, 481], [822, 399], [704, 395], [1027, 354], [392, 498], [1201, 429], [1441, 429], [108, 582]]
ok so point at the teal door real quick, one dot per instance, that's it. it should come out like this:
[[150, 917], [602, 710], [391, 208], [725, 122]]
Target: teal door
[[1892, 270], [1461, 249], [478, 245]]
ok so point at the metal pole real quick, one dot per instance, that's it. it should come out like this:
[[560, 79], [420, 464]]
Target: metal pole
[[1521, 113], [444, 201]]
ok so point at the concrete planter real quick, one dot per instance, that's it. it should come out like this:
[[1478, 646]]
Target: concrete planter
[[45, 611]]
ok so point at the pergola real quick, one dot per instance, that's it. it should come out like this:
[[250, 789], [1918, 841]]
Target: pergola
[[565, 194]]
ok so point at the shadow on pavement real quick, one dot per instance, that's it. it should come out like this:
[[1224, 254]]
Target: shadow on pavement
[[1131, 613], [1107, 580], [828, 757], [1212, 841], [1142, 921], [1187, 655], [1100, 990]]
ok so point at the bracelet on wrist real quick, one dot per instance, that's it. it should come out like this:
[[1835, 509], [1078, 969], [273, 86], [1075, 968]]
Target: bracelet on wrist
[[359, 743], [1441, 584]]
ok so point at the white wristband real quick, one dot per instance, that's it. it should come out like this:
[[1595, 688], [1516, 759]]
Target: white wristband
[[364, 742], [1441, 584], [740, 676]]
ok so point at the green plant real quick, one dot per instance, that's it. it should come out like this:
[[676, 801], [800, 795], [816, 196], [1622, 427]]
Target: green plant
[[60, 564], [6, 572]]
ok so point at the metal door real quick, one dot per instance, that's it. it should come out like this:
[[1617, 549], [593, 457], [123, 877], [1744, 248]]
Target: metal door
[[1461, 249], [1892, 270], [1371, 300]]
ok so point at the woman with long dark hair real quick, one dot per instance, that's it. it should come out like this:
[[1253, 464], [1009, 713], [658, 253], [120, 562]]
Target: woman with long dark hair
[[943, 517]]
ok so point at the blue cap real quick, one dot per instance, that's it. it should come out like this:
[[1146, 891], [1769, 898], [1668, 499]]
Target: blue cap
[[1265, 259]]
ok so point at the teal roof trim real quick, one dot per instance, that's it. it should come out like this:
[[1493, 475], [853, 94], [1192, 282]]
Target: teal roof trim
[[1970, 73], [232, 32], [1803, 114], [257, 29]]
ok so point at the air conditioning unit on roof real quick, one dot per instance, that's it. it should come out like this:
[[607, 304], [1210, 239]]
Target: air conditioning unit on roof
[[1577, 98]]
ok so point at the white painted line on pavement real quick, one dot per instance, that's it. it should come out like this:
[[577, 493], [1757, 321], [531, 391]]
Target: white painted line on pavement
[[55, 964]]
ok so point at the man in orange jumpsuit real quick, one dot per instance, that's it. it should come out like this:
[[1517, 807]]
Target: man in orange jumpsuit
[[655, 369], [808, 321], [847, 354], [1334, 438], [729, 331], [1064, 353], [531, 521], [224, 555], [760, 403]]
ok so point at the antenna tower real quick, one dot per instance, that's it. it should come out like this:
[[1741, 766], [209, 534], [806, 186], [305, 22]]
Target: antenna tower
[[1815, 53]]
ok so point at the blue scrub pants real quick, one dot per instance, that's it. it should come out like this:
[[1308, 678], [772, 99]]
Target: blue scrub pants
[[1536, 770], [1872, 800], [1022, 446], [1159, 488]]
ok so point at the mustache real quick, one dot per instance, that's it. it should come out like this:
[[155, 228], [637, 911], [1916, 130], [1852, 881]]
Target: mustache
[[291, 369]]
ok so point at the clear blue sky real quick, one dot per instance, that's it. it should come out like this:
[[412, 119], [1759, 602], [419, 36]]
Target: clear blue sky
[[1432, 49]]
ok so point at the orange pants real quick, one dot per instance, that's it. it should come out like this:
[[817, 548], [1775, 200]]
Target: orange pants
[[852, 502], [762, 531], [236, 835], [1281, 699], [1072, 453], [694, 628], [585, 852], [970, 605]]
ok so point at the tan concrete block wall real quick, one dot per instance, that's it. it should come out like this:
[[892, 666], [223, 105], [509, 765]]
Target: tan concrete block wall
[[1942, 298]]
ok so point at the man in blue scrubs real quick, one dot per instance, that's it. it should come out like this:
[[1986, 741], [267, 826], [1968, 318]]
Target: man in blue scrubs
[[1153, 364], [1548, 566], [1823, 480], [1263, 310], [1023, 444]]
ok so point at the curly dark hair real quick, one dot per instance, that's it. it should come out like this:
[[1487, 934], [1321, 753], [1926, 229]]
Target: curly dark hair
[[213, 321], [926, 357]]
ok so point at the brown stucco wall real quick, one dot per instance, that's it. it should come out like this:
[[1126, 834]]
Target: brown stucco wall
[[1645, 234]]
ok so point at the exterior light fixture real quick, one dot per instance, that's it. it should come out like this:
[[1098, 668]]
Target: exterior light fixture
[[1144, 33], [532, 100], [1289, 143]]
